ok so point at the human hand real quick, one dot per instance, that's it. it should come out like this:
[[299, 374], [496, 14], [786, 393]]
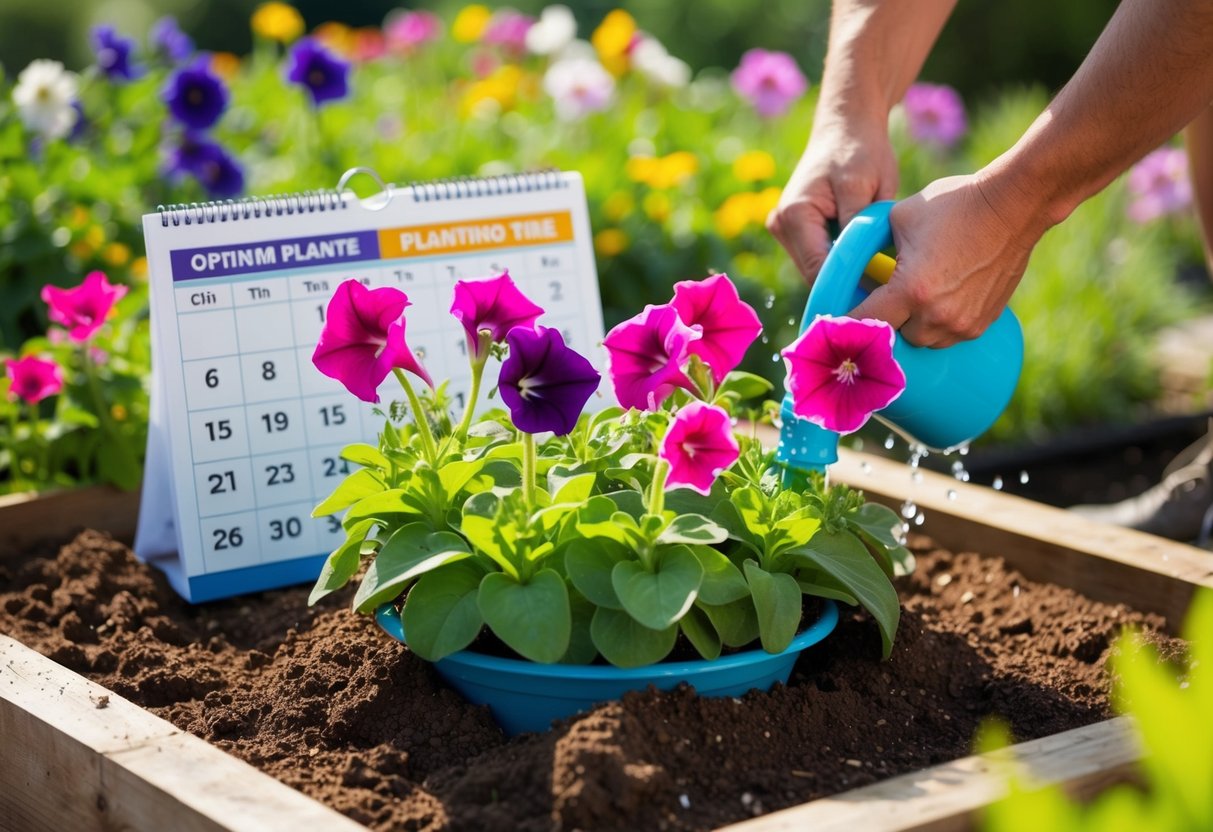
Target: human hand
[[848, 164], [962, 247]]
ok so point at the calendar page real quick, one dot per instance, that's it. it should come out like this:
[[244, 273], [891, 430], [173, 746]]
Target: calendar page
[[246, 435]]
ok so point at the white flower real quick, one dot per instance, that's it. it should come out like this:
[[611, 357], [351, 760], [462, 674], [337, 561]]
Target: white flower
[[554, 30], [578, 86], [44, 96], [652, 60]]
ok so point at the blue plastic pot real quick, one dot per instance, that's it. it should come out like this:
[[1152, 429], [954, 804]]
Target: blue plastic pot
[[526, 696]]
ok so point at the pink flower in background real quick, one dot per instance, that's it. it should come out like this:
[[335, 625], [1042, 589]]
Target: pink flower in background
[[578, 87], [770, 81], [728, 324], [33, 378], [496, 304], [646, 355], [363, 339], [406, 31], [841, 371], [83, 309], [508, 29], [1160, 184], [369, 44], [934, 113], [698, 446]]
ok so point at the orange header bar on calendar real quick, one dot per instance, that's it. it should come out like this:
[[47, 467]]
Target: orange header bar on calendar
[[476, 235]]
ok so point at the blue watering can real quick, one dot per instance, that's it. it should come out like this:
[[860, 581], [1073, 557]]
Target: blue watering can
[[952, 395]]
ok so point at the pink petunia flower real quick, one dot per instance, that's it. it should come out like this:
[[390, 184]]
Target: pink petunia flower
[[33, 378], [728, 324], [363, 339], [934, 113], [83, 309], [495, 304], [841, 371], [408, 30], [770, 81], [1160, 185], [698, 446], [507, 29], [646, 355]]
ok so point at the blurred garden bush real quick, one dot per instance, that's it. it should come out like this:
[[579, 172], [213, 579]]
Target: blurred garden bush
[[681, 167]]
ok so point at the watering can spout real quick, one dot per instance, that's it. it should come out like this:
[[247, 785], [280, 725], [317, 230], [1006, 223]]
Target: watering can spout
[[803, 446]]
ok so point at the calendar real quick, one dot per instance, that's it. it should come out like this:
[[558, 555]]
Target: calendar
[[245, 435]]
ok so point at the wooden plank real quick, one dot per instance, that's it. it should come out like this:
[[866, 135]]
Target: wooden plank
[[944, 798], [78, 757], [29, 519]]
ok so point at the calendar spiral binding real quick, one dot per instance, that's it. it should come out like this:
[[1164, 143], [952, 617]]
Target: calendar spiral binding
[[465, 187]]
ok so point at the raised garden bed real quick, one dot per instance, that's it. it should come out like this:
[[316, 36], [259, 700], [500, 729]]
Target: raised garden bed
[[379, 738]]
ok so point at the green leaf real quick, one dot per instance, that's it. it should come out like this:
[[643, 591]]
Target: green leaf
[[589, 564], [739, 386], [737, 623], [496, 475], [817, 583], [778, 604], [690, 501], [386, 506], [599, 518], [455, 475], [365, 455], [625, 642], [117, 464], [698, 629], [692, 528], [723, 582], [532, 618], [581, 642], [357, 486], [440, 614], [727, 516], [343, 563], [630, 502], [479, 524], [574, 489], [659, 598], [412, 550], [878, 521], [843, 557]]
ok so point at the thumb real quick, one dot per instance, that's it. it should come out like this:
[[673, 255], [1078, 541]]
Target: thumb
[[803, 234], [886, 303]]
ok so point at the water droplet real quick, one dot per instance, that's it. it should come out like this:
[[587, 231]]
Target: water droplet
[[889, 442], [866, 467], [997, 483], [769, 300], [857, 443], [916, 476], [775, 358], [791, 322], [734, 421], [766, 340], [908, 509], [958, 468], [964, 449], [951, 494], [964, 476], [919, 519], [1023, 477]]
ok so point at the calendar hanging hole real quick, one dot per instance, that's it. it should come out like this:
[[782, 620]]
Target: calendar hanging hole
[[376, 201]]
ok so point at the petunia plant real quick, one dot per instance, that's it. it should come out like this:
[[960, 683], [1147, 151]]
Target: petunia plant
[[613, 534]]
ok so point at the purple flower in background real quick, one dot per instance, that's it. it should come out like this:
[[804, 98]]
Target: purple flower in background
[[168, 40], [406, 31], [319, 71], [544, 383], [196, 96], [113, 54], [209, 163], [495, 304], [935, 113], [770, 81], [508, 29], [1160, 185]]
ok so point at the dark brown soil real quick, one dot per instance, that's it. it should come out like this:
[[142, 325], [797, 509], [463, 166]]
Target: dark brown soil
[[325, 702]]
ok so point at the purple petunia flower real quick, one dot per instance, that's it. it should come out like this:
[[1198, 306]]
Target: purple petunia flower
[[209, 163], [113, 53], [934, 113], [1160, 184], [770, 81], [169, 41], [544, 383], [196, 96], [319, 71]]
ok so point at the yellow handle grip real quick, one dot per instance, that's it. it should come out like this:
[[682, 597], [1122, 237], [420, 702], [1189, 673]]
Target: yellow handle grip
[[880, 268]]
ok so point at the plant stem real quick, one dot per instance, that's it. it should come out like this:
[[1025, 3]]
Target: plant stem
[[477, 361], [39, 455], [14, 458], [419, 418], [528, 470], [657, 488]]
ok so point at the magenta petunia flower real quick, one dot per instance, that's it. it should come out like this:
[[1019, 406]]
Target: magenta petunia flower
[[728, 324], [647, 353], [841, 371], [33, 378], [544, 383], [83, 309], [363, 339], [770, 81], [934, 113], [495, 304], [698, 446], [407, 30], [507, 29], [1160, 184]]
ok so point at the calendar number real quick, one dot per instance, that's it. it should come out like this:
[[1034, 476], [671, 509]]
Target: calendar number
[[334, 466], [220, 430], [403, 275], [280, 474], [459, 397], [231, 538], [333, 415], [222, 483], [268, 372], [334, 524], [211, 378], [320, 309], [275, 421], [290, 527], [557, 290]]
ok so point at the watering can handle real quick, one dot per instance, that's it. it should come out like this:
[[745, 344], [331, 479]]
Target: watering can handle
[[856, 252]]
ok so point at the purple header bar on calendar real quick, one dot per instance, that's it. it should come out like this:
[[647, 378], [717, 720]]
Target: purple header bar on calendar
[[274, 255]]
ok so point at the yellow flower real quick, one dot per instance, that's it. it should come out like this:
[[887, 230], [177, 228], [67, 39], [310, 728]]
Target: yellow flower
[[610, 241], [734, 215], [80, 216], [640, 168], [470, 23], [764, 203], [338, 37], [118, 411], [277, 21], [501, 87], [657, 206], [754, 166], [89, 243], [116, 254], [612, 38], [618, 205], [662, 172], [225, 65], [139, 268]]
